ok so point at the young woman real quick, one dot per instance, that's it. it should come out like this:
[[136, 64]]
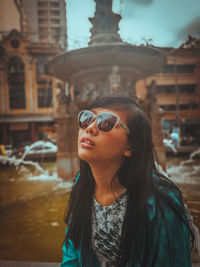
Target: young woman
[[122, 210]]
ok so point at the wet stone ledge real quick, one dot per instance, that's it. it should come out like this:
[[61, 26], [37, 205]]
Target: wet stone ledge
[[28, 264], [42, 264]]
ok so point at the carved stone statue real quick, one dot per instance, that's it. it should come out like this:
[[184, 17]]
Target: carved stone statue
[[115, 80]]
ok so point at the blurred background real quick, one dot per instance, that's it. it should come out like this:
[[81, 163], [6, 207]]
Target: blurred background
[[35, 104]]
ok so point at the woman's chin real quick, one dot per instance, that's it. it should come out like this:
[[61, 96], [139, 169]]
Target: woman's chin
[[85, 155]]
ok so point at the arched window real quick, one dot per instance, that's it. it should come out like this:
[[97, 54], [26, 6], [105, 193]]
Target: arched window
[[16, 80]]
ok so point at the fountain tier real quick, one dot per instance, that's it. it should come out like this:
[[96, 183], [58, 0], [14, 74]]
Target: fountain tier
[[140, 61]]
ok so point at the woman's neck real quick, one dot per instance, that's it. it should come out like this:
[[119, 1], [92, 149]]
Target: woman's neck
[[108, 187]]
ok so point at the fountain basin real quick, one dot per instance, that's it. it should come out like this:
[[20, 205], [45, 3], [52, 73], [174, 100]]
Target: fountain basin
[[142, 61]]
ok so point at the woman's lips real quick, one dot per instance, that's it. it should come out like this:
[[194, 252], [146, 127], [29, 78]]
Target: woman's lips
[[86, 142]]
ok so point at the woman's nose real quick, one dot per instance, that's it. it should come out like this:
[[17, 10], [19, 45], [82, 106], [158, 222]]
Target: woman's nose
[[92, 128]]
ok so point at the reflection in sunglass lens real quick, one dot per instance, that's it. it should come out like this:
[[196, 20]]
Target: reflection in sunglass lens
[[85, 119], [105, 122]]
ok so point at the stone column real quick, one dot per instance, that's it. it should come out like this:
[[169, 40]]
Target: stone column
[[5, 134], [33, 134], [30, 82], [66, 126], [151, 107]]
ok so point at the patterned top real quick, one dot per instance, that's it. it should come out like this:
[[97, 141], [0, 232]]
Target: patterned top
[[107, 224]]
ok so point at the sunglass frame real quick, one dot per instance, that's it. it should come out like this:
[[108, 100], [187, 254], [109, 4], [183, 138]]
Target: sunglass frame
[[118, 121]]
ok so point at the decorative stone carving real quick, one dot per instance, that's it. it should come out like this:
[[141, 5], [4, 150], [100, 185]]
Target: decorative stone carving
[[114, 80], [131, 90], [191, 42], [89, 92], [152, 109], [63, 101], [105, 23]]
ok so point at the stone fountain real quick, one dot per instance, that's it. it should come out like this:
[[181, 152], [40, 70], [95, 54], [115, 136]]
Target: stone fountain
[[106, 66]]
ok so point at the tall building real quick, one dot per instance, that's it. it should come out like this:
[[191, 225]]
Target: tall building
[[45, 21], [27, 91], [177, 90]]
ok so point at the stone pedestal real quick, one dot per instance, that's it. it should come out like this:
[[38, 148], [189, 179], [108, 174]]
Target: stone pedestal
[[67, 161], [155, 114]]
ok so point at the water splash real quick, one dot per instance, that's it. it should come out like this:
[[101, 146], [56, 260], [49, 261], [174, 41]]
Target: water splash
[[19, 162], [195, 153], [167, 143], [45, 176], [67, 186], [186, 171], [43, 147]]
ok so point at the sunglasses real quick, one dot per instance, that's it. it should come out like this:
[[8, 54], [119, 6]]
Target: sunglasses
[[105, 121]]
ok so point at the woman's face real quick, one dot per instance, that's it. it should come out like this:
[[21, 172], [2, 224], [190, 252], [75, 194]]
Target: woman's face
[[96, 146]]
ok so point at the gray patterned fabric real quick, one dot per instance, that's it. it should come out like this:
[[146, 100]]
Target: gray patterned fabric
[[106, 230]]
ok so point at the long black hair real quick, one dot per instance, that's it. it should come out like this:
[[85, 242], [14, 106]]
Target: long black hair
[[136, 175]]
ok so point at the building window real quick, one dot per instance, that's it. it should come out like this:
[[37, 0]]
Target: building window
[[42, 13], [16, 80], [54, 4], [41, 65], [187, 106], [179, 69], [43, 21], [55, 13], [44, 82], [187, 88], [165, 89], [15, 43], [168, 69], [45, 97], [168, 107], [55, 21], [170, 89], [43, 30], [42, 4], [56, 33], [185, 68]]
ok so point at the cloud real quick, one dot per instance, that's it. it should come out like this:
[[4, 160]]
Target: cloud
[[133, 8], [141, 2], [193, 29]]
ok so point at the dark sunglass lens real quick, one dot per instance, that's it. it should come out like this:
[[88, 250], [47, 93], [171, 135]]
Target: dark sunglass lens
[[85, 119], [106, 121]]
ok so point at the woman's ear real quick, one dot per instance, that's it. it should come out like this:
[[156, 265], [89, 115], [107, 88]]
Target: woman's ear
[[127, 153]]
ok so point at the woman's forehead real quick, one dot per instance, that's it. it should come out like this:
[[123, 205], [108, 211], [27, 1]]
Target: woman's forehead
[[105, 109], [121, 113]]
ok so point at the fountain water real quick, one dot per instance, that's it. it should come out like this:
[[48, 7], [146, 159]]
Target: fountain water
[[34, 202], [184, 171], [39, 148], [168, 143], [16, 163], [195, 154], [186, 174], [187, 171]]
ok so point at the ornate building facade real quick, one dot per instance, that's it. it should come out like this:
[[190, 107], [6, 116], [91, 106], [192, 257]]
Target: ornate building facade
[[177, 90], [27, 91]]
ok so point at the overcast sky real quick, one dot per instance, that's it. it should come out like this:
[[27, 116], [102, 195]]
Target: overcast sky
[[166, 22]]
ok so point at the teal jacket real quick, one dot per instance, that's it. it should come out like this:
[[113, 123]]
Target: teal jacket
[[167, 232]]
